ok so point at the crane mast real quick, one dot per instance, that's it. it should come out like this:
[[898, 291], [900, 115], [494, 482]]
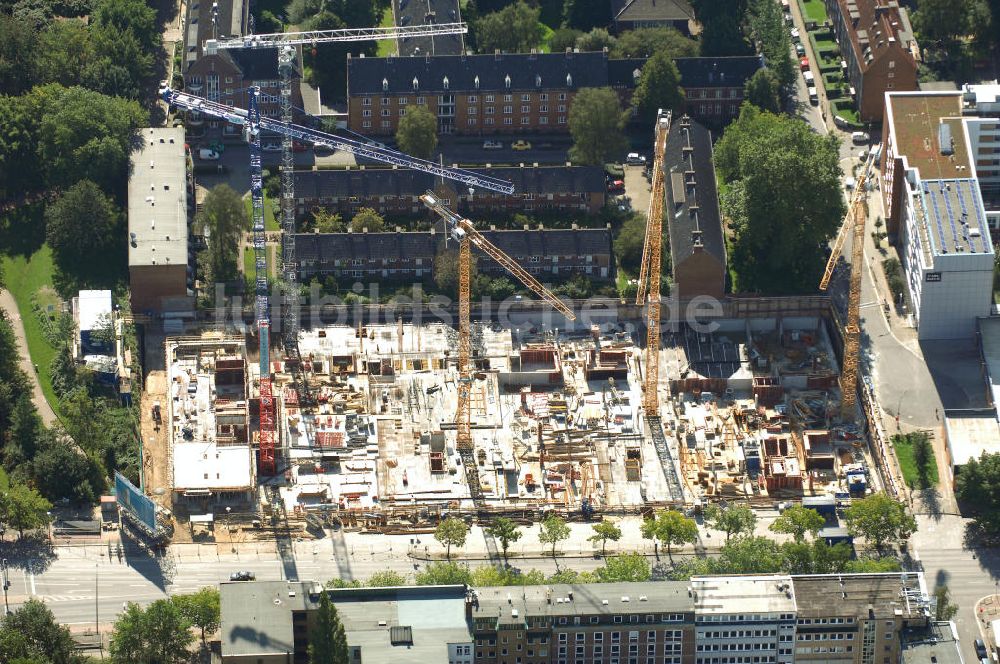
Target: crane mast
[[649, 272], [857, 213]]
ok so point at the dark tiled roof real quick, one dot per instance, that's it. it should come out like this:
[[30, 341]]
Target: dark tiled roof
[[414, 12], [256, 63], [552, 241], [365, 76], [652, 10], [370, 246], [622, 72], [229, 21], [681, 223], [406, 182], [714, 72]]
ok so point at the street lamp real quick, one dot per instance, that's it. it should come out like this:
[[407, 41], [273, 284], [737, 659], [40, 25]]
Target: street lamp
[[6, 585]]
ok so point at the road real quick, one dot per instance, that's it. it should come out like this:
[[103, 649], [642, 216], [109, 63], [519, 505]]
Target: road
[[8, 304]]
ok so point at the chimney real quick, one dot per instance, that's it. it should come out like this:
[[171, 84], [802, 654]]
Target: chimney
[[496, 55]]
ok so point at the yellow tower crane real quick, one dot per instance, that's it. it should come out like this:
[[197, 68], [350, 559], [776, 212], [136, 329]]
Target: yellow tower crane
[[649, 272], [857, 212]]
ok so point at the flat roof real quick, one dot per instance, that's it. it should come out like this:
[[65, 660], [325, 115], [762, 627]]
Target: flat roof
[[587, 600], [915, 118], [91, 306], [256, 616], [743, 594], [157, 199], [852, 594], [205, 465], [969, 435], [935, 644], [955, 217]]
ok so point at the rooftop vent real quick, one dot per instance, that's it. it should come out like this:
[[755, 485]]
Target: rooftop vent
[[625, 598], [945, 141], [604, 602]]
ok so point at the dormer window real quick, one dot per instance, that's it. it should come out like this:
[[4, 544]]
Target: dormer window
[[385, 85], [506, 80], [538, 80], [476, 82], [445, 83], [569, 80], [416, 83], [636, 74]]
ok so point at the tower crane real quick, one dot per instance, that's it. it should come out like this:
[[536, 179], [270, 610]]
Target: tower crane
[[254, 123], [285, 43], [857, 212], [462, 231]]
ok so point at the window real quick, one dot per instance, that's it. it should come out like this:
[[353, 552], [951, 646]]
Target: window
[[490, 109], [508, 121], [892, 65], [229, 91], [385, 101], [544, 121], [473, 110], [598, 637], [421, 101], [561, 108], [580, 636], [543, 97], [544, 108], [562, 96], [472, 122], [366, 113], [892, 74], [563, 637], [367, 101], [618, 619], [472, 99], [367, 124], [508, 109], [402, 101], [525, 109], [525, 120], [402, 112], [508, 97], [386, 112], [593, 621], [561, 119], [386, 124], [488, 121], [489, 99]]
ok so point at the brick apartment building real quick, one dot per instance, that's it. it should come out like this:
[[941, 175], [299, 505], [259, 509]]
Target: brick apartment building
[[399, 255], [877, 43], [773, 619], [697, 248], [484, 95], [225, 75], [395, 191]]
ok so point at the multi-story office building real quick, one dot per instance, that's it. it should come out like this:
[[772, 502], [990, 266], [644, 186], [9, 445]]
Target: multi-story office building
[[935, 208], [877, 45], [771, 619], [981, 112]]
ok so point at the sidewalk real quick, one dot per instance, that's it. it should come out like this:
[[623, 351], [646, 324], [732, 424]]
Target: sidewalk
[[45, 411]]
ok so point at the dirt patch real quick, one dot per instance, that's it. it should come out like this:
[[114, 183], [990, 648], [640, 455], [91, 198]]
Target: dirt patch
[[155, 441]]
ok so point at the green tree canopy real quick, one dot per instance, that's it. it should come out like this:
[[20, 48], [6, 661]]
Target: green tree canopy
[[596, 40], [554, 529], [763, 91], [62, 471], [563, 38], [767, 28], [798, 521], [225, 219], [446, 272], [673, 528], [783, 200], [605, 530], [733, 520], [30, 633], [451, 532], [327, 638], [367, 218], [504, 530], [586, 14], [158, 634], [18, 39], [624, 567], [202, 609], [443, 573], [880, 520], [659, 87], [84, 228], [750, 555], [647, 42], [387, 578], [596, 122], [720, 20], [513, 29], [22, 508], [417, 133]]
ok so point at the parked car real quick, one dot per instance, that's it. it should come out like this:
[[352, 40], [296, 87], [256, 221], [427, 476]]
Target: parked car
[[520, 145], [800, 50], [788, 19], [808, 75], [242, 575], [299, 147], [615, 186], [492, 145], [207, 154], [804, 64], [271, 147], [859, 137], [635, 159], [795, 34], [813, 96], [981, 649]]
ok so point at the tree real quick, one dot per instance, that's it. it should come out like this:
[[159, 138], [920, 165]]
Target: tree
[[367, 219], [64, 50], [767, 28], [783, 200], [84, 228], [504, 530], [225, 219], [201, 609], [733, 520], [672, 527], [451, 532], [978, 485], [23, 508], [630, 242], [923, 455], [596, 40], [865, 565], [327, 222], [562, 39], [763, 91], [443, 574], [605, 530], [944, 610], [513, 29], [586, 14], [18, 54], [648, 531], [61, 471], [749, 555], [446, 271], [300, 11], [647, 42], [624, 567], [554, 529], [158, 634], [659, 87], [595, 123], [387, 578], [720, 22], [417, 133], [327, 638], [816, 557], [946, 22], [797, 521], [880, 520], [31, 631]]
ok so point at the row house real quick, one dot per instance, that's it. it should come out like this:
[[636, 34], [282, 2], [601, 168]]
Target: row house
[[396, 191], [713, 87], [225, 75], [410, 255], [878, 49]]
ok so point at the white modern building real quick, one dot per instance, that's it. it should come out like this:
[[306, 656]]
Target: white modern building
[[982, 103], [934, 207]]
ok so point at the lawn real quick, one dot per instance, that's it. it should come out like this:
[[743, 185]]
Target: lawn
[[386, 46], [270, 223], [907, 463], [249, 268], [24, 277], [813, 10], [846, 110], [823, 40]]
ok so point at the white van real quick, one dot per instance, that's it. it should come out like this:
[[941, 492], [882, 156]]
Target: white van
[[208, 155], [859, 137], [808, 75], [813, 97]]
